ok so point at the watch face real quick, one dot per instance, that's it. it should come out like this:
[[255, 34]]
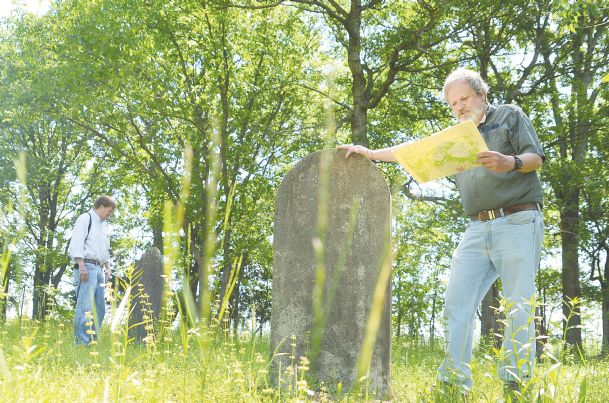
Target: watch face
[[517, 163]]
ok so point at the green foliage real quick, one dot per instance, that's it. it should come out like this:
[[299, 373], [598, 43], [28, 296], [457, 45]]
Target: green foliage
[[423, 246], [104, 96]]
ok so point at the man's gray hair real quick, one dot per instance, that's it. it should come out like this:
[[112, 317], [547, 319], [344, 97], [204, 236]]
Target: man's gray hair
[[471, 77]]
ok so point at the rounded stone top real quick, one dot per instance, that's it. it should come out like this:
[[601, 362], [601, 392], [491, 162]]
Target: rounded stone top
[[356, 169]]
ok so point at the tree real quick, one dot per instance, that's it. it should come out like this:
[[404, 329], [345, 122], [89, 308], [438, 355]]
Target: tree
[[174, 73], [595, 234], [573, 57], [380, 40], [55, 162], [422, 259]]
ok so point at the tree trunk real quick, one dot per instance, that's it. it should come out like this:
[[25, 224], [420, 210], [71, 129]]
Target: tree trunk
[[359, 115], [432, 322], [399, 321], [489, 319], [605, 307], [157, 237], [4, 300], [571, 288], [44, 263], [57, 277], [541, 321], [227, 264], [236, 297], [39, 295]]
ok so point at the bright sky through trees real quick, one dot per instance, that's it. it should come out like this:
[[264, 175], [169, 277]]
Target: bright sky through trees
[[33, 6]]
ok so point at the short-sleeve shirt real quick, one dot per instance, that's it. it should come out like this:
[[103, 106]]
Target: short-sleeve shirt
[[509, 131]]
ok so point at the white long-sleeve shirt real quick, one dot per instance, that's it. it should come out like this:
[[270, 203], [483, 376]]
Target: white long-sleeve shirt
[[96, 245]]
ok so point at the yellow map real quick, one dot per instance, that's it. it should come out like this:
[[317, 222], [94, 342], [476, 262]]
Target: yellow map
[[442, 154]]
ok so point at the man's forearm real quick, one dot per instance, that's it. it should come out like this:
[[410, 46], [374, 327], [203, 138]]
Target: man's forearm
[[530, 162], [384, 154]]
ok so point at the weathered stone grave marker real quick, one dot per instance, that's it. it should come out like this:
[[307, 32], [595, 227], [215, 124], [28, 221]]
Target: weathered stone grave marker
[[148, 291], [353, 256]]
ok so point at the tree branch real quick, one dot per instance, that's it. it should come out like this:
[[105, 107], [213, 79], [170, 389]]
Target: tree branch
[[441, 200]]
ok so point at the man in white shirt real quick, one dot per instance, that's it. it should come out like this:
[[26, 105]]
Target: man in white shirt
[[90, 253]]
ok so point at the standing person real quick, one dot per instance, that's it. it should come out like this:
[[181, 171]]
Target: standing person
[[503, 197], [90, 253]]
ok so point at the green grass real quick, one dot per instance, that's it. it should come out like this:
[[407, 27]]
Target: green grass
[[40, 363]]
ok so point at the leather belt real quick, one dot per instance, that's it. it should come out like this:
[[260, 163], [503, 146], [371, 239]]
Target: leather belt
[[502, 212], [93, 261]]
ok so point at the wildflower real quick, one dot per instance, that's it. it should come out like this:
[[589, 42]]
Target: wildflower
[[237, 367], [193, 331]]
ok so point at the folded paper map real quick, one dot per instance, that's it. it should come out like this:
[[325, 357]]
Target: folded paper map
[[442, 154]]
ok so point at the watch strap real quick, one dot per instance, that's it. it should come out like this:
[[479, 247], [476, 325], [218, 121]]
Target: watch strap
[[517, 163]]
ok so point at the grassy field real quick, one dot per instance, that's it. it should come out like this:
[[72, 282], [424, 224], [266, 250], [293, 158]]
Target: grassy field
[[38, 362]]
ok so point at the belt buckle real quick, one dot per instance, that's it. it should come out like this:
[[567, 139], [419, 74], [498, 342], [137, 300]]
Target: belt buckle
[[487, 215]]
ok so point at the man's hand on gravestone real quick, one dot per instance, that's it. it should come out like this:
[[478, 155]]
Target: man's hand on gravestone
[[356, 149]]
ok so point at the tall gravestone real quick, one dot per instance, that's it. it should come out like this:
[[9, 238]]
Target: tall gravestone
[[356, 247], [148, 290]]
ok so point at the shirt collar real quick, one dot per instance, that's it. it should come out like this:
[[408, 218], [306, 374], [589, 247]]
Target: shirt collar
[[94, 214], [488, 110]]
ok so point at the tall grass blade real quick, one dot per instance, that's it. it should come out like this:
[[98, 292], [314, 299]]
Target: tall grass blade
[[375, 317], [120, 311], [234, 276]]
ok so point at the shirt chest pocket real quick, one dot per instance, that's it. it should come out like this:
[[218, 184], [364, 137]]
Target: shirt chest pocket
[[499, 140], [103, 231]]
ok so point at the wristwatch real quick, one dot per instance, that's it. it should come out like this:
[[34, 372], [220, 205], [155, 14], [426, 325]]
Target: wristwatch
[[517, 163]]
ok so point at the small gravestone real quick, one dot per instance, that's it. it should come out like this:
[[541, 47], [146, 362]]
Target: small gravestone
[[148, 293], [356, 247]]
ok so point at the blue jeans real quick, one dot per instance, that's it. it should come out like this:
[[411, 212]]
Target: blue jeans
[[506, 247], [90, 298]]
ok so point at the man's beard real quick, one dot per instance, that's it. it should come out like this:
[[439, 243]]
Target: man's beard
[[473, 115]]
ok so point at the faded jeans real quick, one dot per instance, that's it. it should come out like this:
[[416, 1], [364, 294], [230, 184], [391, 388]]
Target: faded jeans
[[90, 298], [509, 248]]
